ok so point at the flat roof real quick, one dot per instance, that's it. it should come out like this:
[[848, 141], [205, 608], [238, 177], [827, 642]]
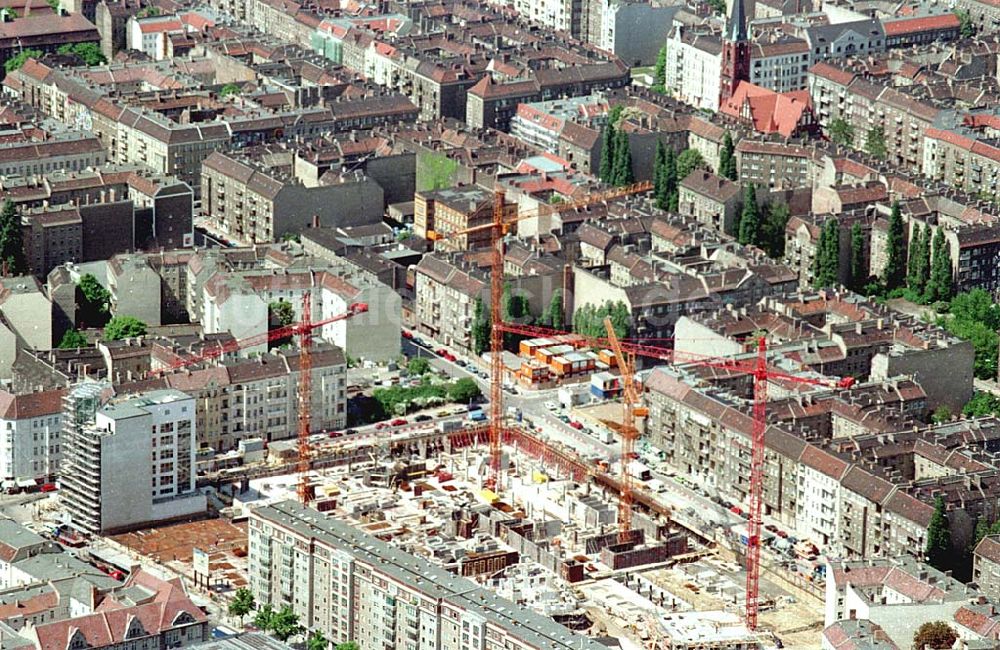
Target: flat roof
[[433, 581]]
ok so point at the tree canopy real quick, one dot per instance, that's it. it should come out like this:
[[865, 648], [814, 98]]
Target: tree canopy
[[317, 641], [12, 239], [122, 327], [93, 301], [589, 320], [938, 547], [15, 62], [688, 161], [875, 143], [894, 272], [481, 327], [463, 391], [749, 230], [826, 264], [285, 623], [88, 53], [242, 603], [936, 635], [72, 340], [418, 366], [841, 132], [727, 158]]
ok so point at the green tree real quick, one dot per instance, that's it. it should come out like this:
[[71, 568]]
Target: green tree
[[841, 132], [772, 233], [936, 635], [93, 301], [660, 175], [121, 327], [919, 262], [608, 142], [285, 624], [514, 308], [727, 158], [670, 181], [317, 641], [895, 266], [418, 366], [149, 12], [982, 404], [53, 3], [859, 269], [660, 72], [350, 645], [242, 603], [976, 305], [826, 265], [941, 414], [621, 171], [89, 53], [875, 143], [749, 231], [463, 391], [589, 320], [718, 6], [556, 317], [264, 618], [16, 61], [939, 285], [12, 239], [688, 161], [967, 29], [72, 340], [281, 313], [230, 89], [480, 328], [938, 547]]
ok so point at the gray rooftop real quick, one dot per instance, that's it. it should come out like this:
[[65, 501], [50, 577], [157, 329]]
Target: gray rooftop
[[249, 641], [537, 630]]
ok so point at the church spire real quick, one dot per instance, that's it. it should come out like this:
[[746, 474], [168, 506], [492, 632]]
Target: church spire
[[736, 23]]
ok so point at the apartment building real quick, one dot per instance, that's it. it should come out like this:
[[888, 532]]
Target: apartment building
[[712, 200], [44, 31], [445, 301], [986, 565], [694, 67], [133, 464], [257, 397], [352, 586], [25, 319], [452, 210], [237, 302], [633, 30], [560, 15], [777, 165], [30, 441], [21, 156], [253, 200]]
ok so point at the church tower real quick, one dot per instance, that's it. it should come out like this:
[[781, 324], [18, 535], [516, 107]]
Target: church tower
[[735, 52]]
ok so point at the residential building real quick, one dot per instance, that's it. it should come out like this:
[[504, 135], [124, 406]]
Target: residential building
[[250, 201], [694, 67], [23, 155], [25, 319], [844, 39], [445, 297], [634, 29], [298, 556], [30, 441], [46, 32], [986, 566], [921, 30], [712, 200], [777, 165], [133, 464], [561, 15], [453, 210], [239, 399]]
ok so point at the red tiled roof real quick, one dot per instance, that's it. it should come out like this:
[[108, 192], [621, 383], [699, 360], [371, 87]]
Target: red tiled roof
[[922, 24]]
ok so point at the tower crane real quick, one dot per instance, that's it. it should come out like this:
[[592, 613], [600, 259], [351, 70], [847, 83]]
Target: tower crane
[[632, 408], [761, 373], [503, 218], [304, 331]]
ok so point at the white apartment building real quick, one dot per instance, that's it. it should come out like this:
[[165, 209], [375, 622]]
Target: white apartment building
[[780, 64], [562, 15], [133, 464], [694, 67], [30, 426], [353, 586], [150, 35]]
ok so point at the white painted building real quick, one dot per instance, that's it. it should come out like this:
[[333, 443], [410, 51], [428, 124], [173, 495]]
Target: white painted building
[[818, 496], [134, 464], [694, 67], [30, 426], [150, 35]]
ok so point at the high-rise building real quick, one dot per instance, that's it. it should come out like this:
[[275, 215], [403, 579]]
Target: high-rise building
[[735, 52], [128, 462], [352, 586]]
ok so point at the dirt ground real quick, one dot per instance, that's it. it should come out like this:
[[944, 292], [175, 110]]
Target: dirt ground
[[225, 543]]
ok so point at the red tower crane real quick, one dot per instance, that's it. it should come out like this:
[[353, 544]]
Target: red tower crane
[[762, 374], [502, 219], [303, 330]]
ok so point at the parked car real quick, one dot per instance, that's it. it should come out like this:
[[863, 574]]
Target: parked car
[[576, 425], [443, 413], [407, 335], [551, 406], [441, 352], [398, 422], [350, 432], [336, 434], [381, 425], [423, 417]]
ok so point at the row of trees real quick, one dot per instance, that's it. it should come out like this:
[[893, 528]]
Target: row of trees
[[841, 132], [515, 308], [669, 169], [12, 240], [589, 319], [762, 227], [616, 153]]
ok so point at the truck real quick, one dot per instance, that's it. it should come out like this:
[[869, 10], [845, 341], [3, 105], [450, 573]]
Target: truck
[[477, 415], [514, 412]]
